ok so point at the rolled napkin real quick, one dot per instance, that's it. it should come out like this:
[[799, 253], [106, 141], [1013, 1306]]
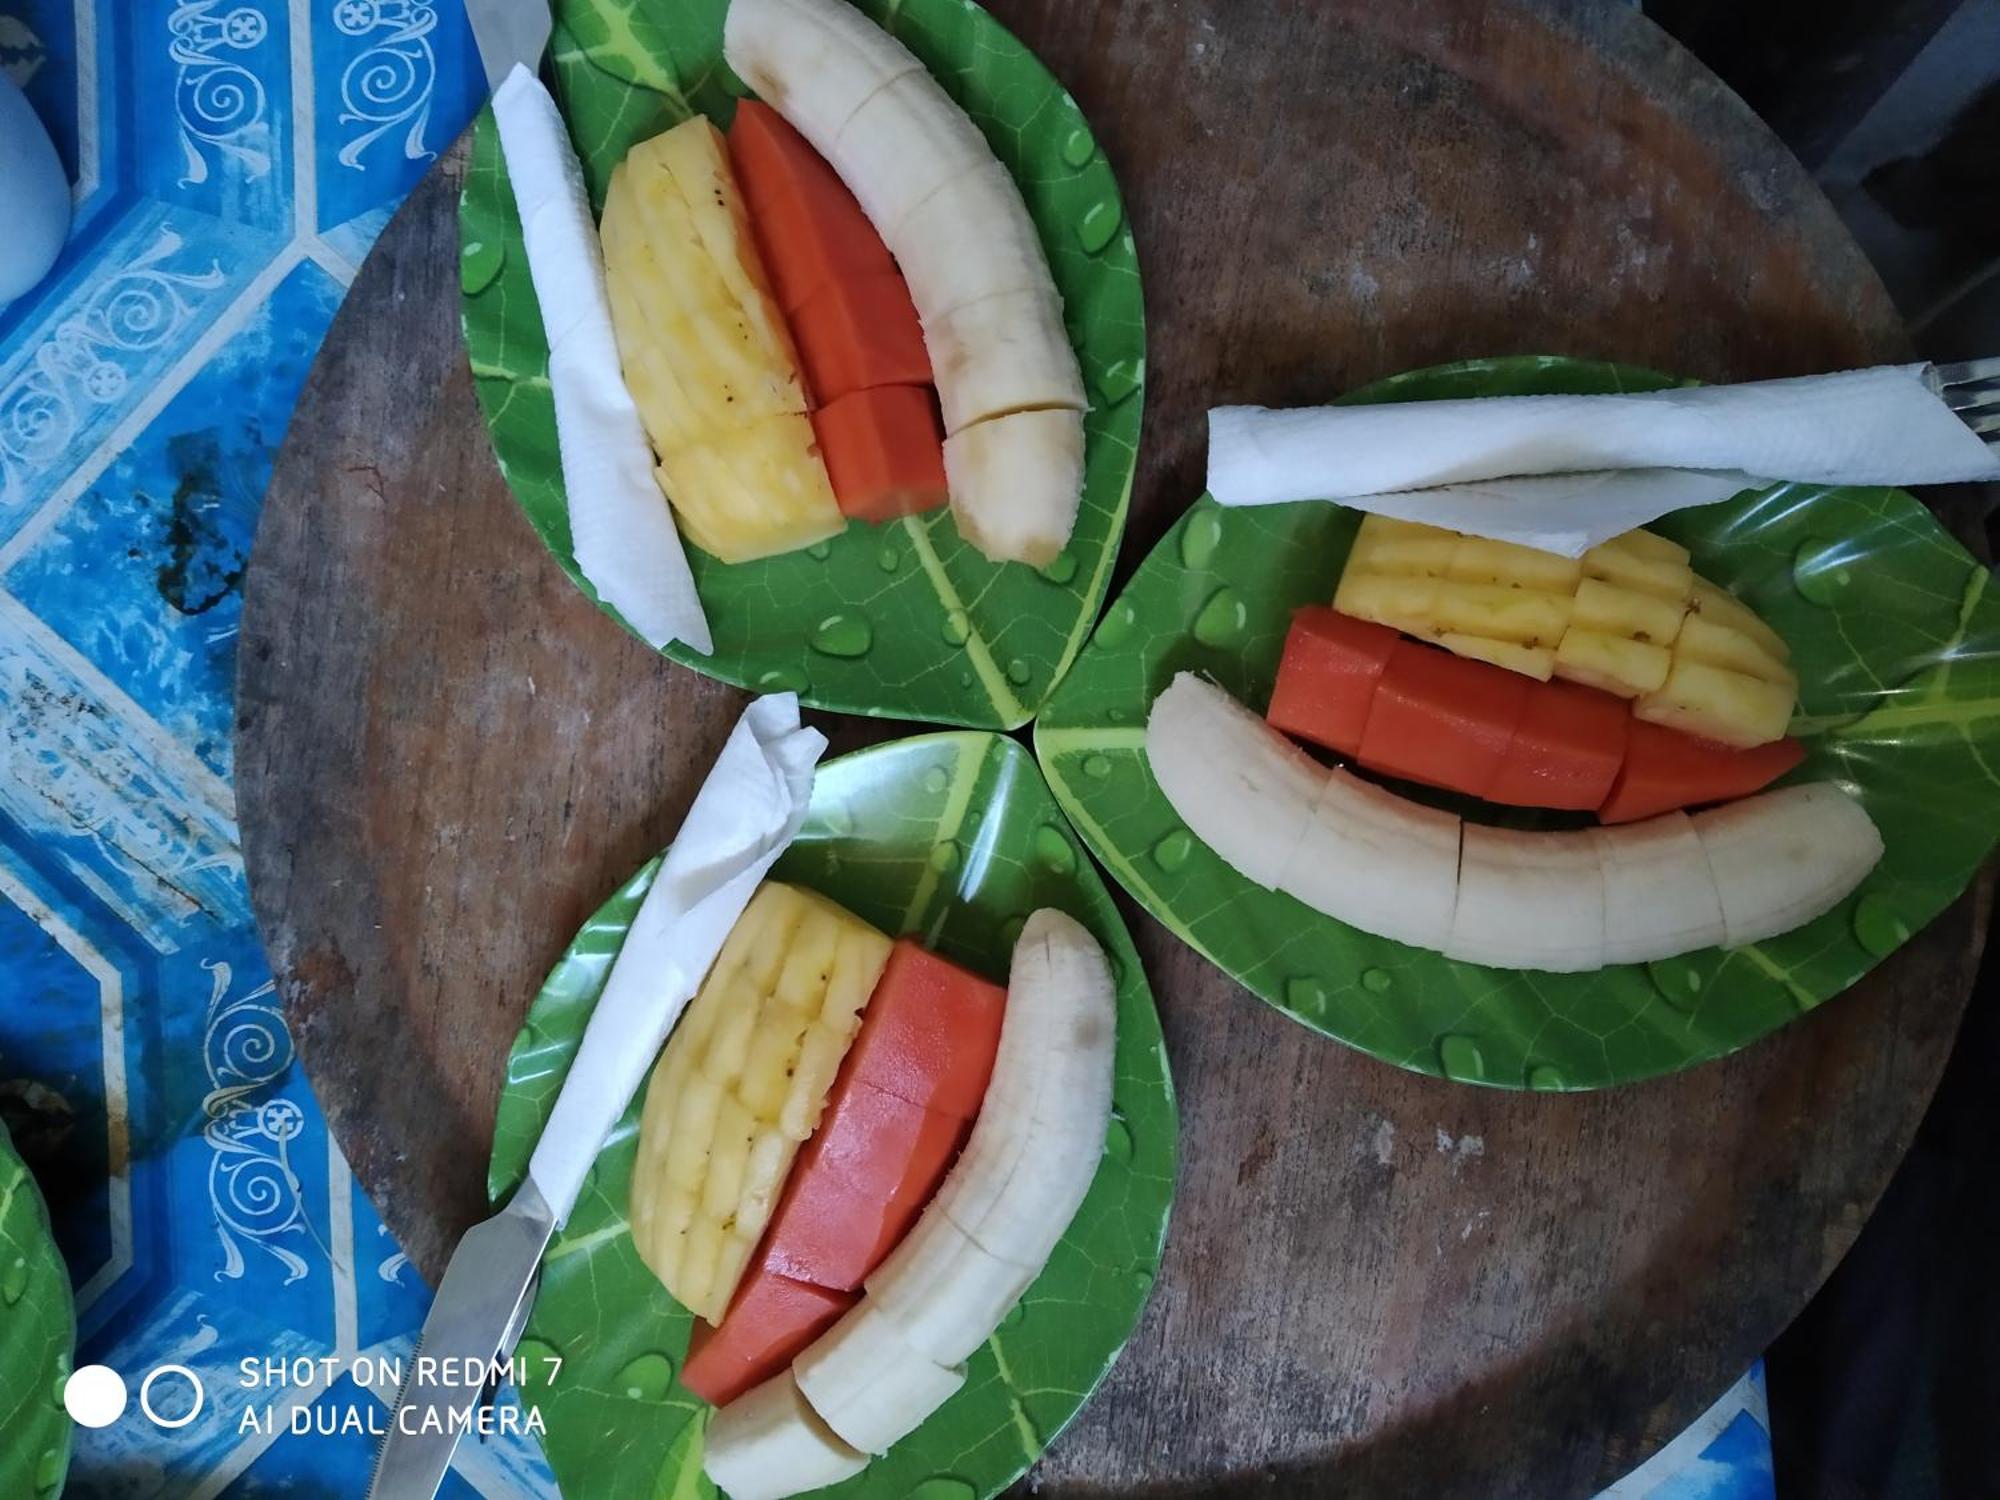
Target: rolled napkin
[[1421, 460], [746, 814], [621, 528]]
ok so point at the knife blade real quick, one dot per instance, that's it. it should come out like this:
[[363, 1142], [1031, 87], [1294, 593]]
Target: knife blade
[[746, 814], [509, 32]]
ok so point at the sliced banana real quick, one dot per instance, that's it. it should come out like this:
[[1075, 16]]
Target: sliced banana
[[769, 1443], [956, 223], [868, 1382], [1560, 901], [1782, 858]]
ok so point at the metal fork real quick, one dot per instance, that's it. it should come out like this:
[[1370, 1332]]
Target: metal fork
[[1972, 389]]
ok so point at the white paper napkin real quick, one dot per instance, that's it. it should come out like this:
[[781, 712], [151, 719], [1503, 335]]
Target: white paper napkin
[[1631, 458], [621, 527], [745, 815]]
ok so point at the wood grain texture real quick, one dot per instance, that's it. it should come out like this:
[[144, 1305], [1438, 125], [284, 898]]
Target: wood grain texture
[[447, 757]]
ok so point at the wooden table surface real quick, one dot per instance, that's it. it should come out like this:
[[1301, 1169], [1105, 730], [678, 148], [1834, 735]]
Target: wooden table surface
[[448, 758]]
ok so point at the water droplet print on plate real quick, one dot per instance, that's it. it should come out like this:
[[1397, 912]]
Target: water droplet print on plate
[[846, 635]]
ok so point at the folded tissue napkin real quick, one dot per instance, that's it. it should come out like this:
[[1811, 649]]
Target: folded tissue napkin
[[621, 528], [746, 814], [1563, 473]]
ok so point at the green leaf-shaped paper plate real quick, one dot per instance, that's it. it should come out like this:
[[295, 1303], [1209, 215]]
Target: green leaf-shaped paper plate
[[902, 620], [37, 1338], [1897, 645], [954, 837]]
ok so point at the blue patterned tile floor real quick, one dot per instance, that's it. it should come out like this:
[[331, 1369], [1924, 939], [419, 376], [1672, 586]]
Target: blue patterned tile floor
[[233, 161]]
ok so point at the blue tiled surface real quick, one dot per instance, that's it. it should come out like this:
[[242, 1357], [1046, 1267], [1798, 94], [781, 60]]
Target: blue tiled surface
[[234, 160]]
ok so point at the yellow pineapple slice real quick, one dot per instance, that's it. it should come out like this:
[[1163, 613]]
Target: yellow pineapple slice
[[1720, 607], [1527, 617], [750, 494], [1613, 609], [1479, 559], [1614, 663], [1538, 662], [1386, 545], [706, 353], [697, 158], [1718, 704], [1388, 599], [1640, 560], [741, 1083], [1703, 640]]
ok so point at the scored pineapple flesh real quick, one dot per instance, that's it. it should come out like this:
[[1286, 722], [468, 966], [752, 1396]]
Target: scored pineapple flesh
[[1630, 617], [706, 353], [741, 1084]]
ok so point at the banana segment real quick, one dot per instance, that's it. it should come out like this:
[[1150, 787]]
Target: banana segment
[[769, 1443], [1529, 901], [1000, 354], [1242, 789], [1563, 901], [1015, 483], [1383, 864], [1782, 858], [814, 62], [1659, 896], [946, 1290], [868, 1384], [954, 219]]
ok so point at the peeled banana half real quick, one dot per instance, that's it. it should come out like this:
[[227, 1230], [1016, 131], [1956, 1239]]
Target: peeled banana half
[[1554, 901], [953, 217], [877, 1374]]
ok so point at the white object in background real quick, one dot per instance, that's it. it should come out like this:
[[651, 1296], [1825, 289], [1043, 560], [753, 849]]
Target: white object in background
[[34, 196], [621, 528], [745, 815], [1417, 459]]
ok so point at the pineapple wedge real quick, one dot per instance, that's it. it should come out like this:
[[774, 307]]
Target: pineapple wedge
[[1717, 703], [740, 1085], [1629, 617], [707, 355]]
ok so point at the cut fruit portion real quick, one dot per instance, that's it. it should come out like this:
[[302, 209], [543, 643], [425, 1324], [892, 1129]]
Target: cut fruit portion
[[1716, 703], [1529, 900], [910, 108], [771, 1443], [1247, 794], [1566, 750], [1629, 617], [895, 1119], [740, 1084], [754, 491], [1378, 862], [706, 352], [1666, 769], [1782, 858], [808, 225], [884, 452], [860, 331], [1644, 562], [947, 1290], [1327, 676], [971, 239], [867, 1382], [1659, 896], [1612, 663], [815, 63], [772, 1318], [1016, 482], [1442, 720], [1007, 352]]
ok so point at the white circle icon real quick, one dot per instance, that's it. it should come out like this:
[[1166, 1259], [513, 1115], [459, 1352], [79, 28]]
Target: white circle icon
[[146, 1397], [95, 1396]]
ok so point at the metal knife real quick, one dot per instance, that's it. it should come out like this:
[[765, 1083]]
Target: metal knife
[[746, 813]]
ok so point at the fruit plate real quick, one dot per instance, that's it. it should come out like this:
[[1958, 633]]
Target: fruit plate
[[37, 1337], [1897, 645], [902, 620], [953, 837]]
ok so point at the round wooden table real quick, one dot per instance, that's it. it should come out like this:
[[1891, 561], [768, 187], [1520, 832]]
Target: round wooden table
[[448, 758]]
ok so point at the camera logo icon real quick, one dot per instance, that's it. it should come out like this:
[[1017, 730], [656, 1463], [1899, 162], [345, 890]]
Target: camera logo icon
[[96, 1396]]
